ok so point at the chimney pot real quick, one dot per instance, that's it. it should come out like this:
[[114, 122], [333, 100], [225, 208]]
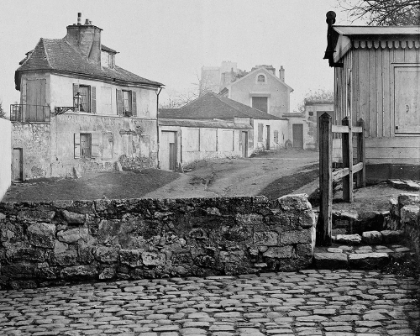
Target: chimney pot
[[281, 73], [79, 19], [87, 22]]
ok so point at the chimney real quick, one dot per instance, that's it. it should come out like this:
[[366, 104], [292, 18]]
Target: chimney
[[86, 38], [281, 73]]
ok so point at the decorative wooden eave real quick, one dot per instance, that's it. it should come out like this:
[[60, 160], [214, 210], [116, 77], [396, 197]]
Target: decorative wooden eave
[[390, 44]]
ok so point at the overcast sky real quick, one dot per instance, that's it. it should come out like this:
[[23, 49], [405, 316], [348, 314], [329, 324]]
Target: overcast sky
[[170, 40]]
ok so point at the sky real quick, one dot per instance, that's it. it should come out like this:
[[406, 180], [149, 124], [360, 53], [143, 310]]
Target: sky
[[170, 40]]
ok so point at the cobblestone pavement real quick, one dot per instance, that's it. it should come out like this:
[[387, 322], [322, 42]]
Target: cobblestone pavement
[[311, 302]]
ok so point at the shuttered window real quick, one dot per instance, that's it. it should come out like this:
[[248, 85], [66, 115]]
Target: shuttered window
[[84, 98], [126, 103], [276, 137], [260, 103], [87, 145], [260, 132]]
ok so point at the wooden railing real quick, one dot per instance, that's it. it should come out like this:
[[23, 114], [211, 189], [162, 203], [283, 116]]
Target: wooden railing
[[326, 174]]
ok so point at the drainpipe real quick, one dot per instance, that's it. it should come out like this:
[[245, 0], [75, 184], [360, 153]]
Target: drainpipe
[[157, 124]]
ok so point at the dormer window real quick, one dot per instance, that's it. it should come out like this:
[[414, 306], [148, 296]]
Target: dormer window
[[261, 79], [107, 59]]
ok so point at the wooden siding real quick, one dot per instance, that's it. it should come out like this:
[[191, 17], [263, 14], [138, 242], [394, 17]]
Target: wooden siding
[[372, 99]]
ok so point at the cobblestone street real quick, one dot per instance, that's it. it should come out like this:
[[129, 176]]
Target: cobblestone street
[[311, 302]]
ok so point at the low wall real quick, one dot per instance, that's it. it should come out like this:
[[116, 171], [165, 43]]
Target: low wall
[[61, 241], [405, 212], [5, 155]]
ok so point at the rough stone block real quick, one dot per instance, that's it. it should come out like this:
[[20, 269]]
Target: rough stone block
[[410, 215], [106, 254], [248, 219], [232, 256], [407, 199], [73, 235], [351, 239], [304, 249], [308, 219], [294, 202], [372, 237], [67, 258], [131, 257], [42, 235], [81, 271], [269, 238], [107, 273], [24, 253], [153, 258], [330, 260], [73, 218], [60, 247], [279, 252], [391, 237], [296, 237], [368, 260], [394, 208], [62, 204], [22, 270], [36, 215], [2, 217]]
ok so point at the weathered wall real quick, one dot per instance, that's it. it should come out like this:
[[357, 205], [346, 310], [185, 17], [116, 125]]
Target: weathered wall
[[61, 94], [5, 155], [281, 126], [132, 141], [35, 141], [313, 110], [405, 213], [278, 93], [49, 243]]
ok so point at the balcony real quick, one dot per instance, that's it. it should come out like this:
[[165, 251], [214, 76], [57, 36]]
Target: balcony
[[29, 113]]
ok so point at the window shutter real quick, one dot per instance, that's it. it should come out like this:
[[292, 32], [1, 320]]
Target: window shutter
[[96, 138], [93, 99], [260, 132], [75, 90], [134, 105], [77, 145], [120, 103]]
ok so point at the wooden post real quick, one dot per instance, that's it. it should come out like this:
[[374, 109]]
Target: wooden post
[[361, 175], [324, 227], [347, 151]]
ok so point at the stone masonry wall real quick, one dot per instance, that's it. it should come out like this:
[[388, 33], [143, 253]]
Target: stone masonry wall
[[405, 212], [63, 241]]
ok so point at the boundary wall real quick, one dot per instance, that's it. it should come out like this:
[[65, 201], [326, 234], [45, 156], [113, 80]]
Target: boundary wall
[[5, 156], [63, 241]]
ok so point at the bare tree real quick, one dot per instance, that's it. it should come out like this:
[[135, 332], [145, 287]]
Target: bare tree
[[383, 12], [317, 96], [2, 112]]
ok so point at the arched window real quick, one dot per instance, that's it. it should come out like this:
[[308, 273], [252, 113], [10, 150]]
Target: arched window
[[261, 79]]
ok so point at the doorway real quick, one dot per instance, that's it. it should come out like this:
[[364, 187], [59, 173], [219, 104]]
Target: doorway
[[168, 151], [268, 137], [297, 130], [244, 139], [17, 164]]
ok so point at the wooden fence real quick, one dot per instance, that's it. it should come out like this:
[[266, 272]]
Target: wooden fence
[[326, 174]]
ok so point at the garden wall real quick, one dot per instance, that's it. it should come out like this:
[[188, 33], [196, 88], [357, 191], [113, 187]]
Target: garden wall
[[406, 213], [64, 241], [5, 155]]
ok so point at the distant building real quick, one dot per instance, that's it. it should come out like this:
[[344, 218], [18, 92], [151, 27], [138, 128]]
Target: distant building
[[213, 126], [260, 88], [79, 111]]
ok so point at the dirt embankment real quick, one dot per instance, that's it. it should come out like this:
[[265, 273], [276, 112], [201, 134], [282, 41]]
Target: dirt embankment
[[272, 174]]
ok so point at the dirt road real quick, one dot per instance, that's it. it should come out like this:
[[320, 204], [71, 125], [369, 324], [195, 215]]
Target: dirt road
[[271, 174]]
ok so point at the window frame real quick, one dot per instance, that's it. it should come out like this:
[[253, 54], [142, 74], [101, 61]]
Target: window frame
[[258, 79]]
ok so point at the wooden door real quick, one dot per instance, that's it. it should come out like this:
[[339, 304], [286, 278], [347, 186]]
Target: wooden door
[[17, 164], [407, 99], [168, 151], [244, 140], [268, 137], [297, 130], [35, 100]]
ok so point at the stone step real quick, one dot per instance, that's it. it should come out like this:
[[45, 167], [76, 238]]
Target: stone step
[[370, 237], [364, 257]]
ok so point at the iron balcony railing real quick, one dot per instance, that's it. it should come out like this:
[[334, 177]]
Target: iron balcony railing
[[29, 113]]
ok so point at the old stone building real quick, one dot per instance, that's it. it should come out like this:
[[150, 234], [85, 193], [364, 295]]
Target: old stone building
[[79, 111]]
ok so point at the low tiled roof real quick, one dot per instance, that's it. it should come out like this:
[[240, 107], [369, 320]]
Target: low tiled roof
[[202, 123], [213, 106], [60, 57]]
